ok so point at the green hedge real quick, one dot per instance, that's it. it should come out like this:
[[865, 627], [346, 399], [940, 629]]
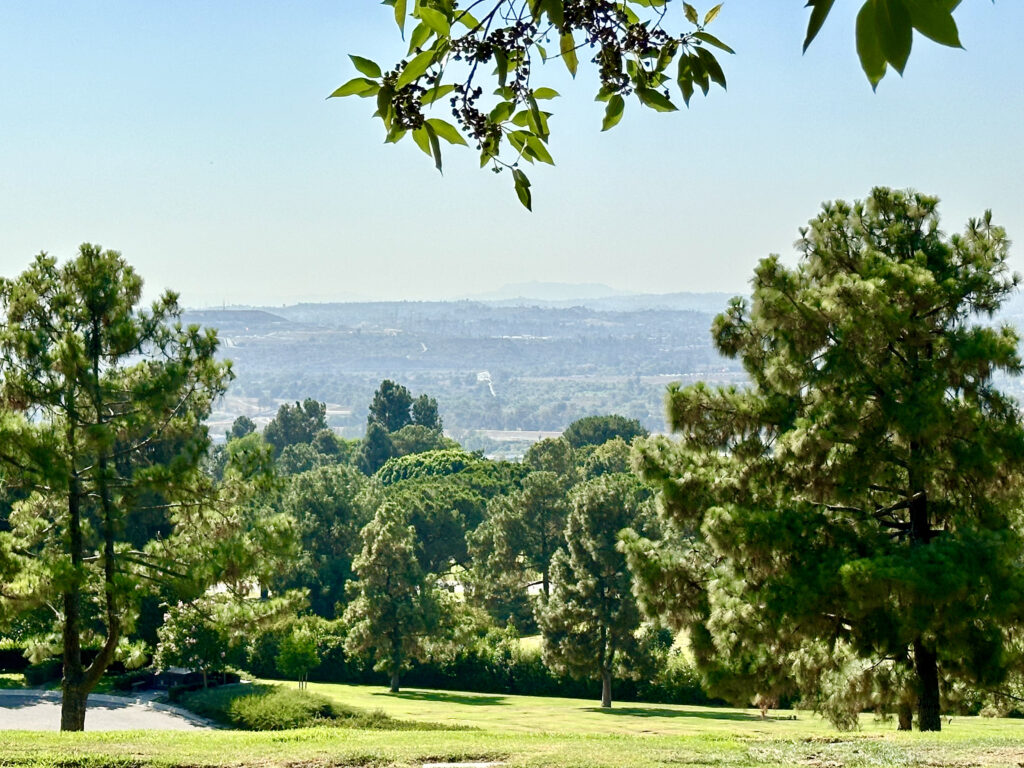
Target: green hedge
[[275, 708], [481, 669]]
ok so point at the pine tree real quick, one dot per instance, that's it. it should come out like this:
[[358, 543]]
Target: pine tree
[[93, 391], [590, 622], [864, 487], [394, 606]]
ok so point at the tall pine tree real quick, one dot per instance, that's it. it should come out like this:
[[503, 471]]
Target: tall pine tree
[[864, 487]]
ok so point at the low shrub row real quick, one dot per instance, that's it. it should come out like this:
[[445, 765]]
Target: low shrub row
[[275, 708]]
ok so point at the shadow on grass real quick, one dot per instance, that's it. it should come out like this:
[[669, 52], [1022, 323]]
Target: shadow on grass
[[447, 698], [659, 712]]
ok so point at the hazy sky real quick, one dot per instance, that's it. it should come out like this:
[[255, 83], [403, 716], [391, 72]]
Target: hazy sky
[[195, 138]]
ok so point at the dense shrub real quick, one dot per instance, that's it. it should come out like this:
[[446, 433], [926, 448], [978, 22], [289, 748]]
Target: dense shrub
[[274, 708], [44, 672]]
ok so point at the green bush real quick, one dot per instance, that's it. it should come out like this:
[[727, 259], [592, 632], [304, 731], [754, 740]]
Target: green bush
[[44, 672], [275, 708]]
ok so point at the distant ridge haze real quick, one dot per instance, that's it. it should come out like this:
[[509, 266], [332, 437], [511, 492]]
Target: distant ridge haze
[[596, 296]]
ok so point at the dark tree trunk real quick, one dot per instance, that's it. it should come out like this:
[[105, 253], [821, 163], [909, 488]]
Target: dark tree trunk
[[905, 715], [394, 680], [926, 662], [929, 718], [72, 706], [73, 688], [606, 688]]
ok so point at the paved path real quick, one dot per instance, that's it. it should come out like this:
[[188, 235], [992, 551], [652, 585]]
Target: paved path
[[40, 711]]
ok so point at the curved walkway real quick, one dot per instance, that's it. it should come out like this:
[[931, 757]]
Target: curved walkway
[[32, 710]]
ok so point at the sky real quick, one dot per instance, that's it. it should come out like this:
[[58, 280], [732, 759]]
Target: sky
[[195, 138]]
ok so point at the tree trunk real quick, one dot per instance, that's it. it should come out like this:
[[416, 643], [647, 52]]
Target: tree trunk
[[72, 706], [606, 688], [394, 680], [925, 659], [73, 688], [929, 718], [905, 716]]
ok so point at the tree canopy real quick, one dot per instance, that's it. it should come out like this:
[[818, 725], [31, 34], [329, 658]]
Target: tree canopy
[[860, 499], [93, 390], [296, 424], [591, 620], [642, 49]]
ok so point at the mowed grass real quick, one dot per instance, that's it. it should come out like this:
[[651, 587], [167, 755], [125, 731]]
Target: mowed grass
[[534, 731]]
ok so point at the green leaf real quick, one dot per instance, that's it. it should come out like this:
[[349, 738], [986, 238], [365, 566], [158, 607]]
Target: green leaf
[[819, 12], [545, 93], [685, 78], [422, 140], [446, 131], [935, 21], [502, 111], [357, 86], [700, 73], [501, 66], [691, 14], [400, 13], [556, 12], [537, 123], [872, 60], [415, 68], [518, 141], [895, 31], [712, 40], [567, 45], [395, 135], [466, 19], [367, 67], [435, 145], [384, 96], [613, 112], [436, 20], [655, 99], [437, 92], [711, 66], [536, 147], [522, 188], [419, 37], [710, 15]]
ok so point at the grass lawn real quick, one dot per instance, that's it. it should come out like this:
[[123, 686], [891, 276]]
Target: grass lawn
[[536, 732]]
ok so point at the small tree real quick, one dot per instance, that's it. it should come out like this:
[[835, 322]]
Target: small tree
[[296, 424], [376, 448], [424, 413], [590, 622], [241, 427], [394, 607], [597, 430], [390, 406], [298, 654]]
